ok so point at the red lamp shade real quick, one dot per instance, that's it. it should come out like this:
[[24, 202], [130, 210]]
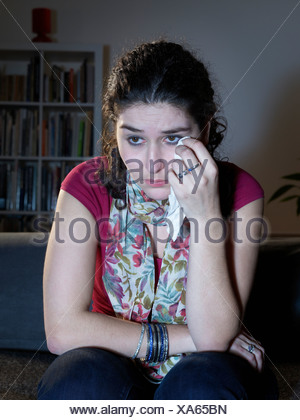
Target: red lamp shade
[[41, 24]]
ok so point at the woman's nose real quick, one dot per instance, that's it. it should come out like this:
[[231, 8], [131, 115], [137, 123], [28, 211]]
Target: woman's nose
[[155, 161]]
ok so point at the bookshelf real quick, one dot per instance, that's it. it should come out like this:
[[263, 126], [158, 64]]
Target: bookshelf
[[50, 120]]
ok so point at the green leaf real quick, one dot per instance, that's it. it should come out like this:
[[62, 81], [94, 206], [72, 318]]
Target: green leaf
[[137, 282], [280, 192], [147, 303], [164, 369], [294, 177], [179, 319], [179, 286], [179, 265], [183, 297], [141, 295], [123, 258], [290, 197], [168, 267]]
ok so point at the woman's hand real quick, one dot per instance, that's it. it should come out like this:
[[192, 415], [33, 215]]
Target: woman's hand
[[240, 346], [197, 191]]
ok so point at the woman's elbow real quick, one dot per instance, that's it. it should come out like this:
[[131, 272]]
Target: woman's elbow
[[58, 339], [56, 345]]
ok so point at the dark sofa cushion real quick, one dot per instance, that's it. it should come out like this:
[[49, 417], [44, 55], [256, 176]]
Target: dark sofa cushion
[[273, 311], [21, 297]]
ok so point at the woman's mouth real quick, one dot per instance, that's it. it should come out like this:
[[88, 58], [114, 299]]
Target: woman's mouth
[[156, 182]]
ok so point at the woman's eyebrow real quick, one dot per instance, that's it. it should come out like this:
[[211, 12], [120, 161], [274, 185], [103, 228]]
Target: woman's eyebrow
[[176, 130], [169, 131], [128, 127]]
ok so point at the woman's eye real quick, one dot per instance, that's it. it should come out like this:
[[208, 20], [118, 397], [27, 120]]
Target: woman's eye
[[134, 140], [173, 139]]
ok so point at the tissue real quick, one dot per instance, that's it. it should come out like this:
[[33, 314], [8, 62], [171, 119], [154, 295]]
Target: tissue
[[173, 214]]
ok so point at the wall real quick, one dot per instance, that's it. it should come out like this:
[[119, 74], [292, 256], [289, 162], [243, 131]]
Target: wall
[[256, 68]]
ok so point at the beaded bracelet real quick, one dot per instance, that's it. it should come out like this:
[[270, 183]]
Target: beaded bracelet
[[158, 335], [166, 344], [150, 344], [155, 343], [140, 342], [162, 343]]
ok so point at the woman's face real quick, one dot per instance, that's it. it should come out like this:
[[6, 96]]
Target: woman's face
[[147, 136]]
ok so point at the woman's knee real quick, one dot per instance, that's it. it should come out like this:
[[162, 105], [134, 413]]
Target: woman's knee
[[85, 373], [207, 375]]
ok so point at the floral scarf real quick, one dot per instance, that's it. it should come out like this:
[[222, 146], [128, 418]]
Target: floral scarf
[[129, 277]]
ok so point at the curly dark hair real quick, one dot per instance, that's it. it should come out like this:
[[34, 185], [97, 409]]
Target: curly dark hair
[[156, 72]]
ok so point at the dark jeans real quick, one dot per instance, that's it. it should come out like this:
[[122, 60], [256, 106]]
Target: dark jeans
[[95, 374]]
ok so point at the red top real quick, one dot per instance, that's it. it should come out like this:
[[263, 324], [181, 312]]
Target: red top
[[82, 184]]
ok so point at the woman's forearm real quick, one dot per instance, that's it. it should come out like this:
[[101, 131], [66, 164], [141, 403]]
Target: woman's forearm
[[213, 312], [90, 329]]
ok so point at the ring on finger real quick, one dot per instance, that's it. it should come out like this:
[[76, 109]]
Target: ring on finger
[[251, 348], [181, 174]]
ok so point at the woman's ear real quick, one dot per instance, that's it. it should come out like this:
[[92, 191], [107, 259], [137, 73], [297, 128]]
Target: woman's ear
[[204, 136]]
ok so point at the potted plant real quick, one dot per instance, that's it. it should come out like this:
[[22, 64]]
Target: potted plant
[[285, 188]]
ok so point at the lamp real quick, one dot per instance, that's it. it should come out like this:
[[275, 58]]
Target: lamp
[[41, 24]]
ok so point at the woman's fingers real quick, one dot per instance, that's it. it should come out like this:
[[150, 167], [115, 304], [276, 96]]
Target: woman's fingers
[[256, 349], [249, 349], [239, 350]]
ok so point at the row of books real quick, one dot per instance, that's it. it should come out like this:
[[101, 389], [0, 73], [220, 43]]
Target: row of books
[[70, 85], [68, 134], [18, 187], [16, 87], [19, 132], [60, 84], [63, 133]]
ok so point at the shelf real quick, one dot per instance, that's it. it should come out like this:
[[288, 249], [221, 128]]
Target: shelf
[[46, 158], [24, 104], [29, 158], [21, 104], [24, 213], [41, 139]]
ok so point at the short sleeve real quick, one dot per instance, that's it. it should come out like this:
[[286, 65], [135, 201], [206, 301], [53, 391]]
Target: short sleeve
[[83, 183], [247, 188]]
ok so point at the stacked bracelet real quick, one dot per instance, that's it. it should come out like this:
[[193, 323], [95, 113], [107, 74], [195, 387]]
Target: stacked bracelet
[[157, 343], [140, 342]]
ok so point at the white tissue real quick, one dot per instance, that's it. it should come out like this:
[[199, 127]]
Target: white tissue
[[173, 215]]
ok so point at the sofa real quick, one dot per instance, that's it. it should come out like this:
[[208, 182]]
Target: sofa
[[272, 315]]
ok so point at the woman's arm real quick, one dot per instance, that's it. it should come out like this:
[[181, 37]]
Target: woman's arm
[[220, 277], [220, 272], [68, 284]]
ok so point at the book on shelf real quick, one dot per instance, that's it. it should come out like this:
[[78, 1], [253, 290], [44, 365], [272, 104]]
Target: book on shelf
[[32, 93], [19, 132], [26, 186], [67, 134], [3, 185], [11, 186]]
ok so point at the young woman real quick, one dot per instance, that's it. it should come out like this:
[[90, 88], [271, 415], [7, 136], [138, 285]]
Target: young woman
[[153, 242]]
